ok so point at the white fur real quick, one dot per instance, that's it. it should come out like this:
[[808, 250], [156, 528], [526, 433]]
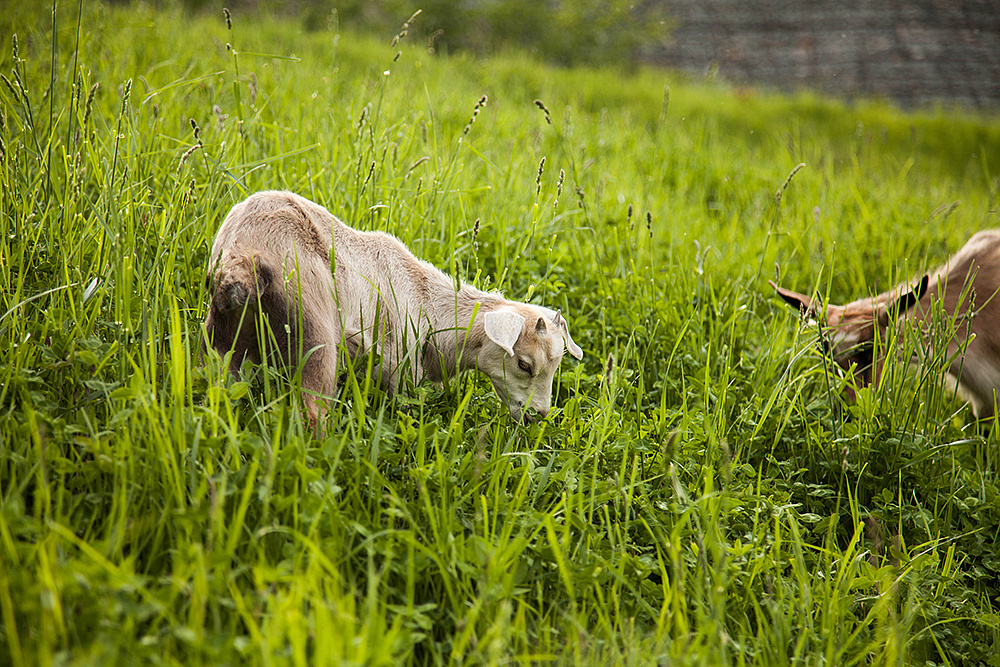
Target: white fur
[[272, 255]]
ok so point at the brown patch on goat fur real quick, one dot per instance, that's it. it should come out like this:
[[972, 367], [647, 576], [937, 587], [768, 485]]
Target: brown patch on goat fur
[[245, 291], [530, 340], [529, 337]]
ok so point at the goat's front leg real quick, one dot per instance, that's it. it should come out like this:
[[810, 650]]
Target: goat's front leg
[[319, 383], [399, 361]]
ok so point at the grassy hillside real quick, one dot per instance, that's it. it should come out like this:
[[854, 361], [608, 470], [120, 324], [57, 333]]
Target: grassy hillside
[[700, 495]]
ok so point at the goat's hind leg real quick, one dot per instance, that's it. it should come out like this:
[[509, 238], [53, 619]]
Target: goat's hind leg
[[319, 383]]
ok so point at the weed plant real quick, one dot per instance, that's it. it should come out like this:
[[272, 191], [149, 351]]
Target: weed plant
[[702, 494]]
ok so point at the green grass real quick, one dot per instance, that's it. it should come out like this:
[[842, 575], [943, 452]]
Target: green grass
[[700, 495]]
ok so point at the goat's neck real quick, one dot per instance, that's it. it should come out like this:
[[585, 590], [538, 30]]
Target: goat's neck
[[458, 332]]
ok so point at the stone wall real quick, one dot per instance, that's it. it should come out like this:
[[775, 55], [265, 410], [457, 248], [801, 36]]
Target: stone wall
[[909, 51]]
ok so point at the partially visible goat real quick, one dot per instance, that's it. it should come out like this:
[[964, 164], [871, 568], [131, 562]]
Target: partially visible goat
[[965, 289], [272, 256]]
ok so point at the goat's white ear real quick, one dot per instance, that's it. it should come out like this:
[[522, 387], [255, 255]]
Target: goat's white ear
[[503, 328], [573, 348]]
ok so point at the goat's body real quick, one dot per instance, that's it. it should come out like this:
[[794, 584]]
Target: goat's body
[[272, 255], [966, 289], [962, 293]]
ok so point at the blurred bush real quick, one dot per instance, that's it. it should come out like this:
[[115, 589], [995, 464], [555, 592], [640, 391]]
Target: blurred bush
[[566, 33]]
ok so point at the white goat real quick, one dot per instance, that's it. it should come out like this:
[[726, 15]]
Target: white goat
[[965, 289], [271, 256]]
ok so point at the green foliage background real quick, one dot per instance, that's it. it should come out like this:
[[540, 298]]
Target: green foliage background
[[565, 33], [700, 495]]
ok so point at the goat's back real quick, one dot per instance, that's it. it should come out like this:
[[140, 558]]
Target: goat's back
[[970, 279], [275, 223], [966, 287]]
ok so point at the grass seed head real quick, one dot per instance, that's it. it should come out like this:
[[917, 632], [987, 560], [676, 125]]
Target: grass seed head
[[220, 117], [186, 155], [791, 175], [475, 112], [538, 176], [361, 118], [90, 102], [10, 86], [126, 92], [252, 85], [432, 38], [189, 195], [197, 136], [77, 175], [229, 18], [416, 164], [545, 109], [21, 93], [406, 27], [77, 86], [712, 71]]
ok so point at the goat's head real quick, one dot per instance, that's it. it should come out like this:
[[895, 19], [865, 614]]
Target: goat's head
[[524, 348], [848, 332]]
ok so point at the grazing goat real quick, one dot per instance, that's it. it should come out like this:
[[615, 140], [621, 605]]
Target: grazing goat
[[272, 257], [963, 291]]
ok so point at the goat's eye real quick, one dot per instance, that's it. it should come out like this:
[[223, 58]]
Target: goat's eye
[[524, 366]]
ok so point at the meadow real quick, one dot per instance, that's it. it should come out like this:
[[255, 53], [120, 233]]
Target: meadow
[[701, 494]]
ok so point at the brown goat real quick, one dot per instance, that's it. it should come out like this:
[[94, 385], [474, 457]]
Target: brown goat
[[965, 289]]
